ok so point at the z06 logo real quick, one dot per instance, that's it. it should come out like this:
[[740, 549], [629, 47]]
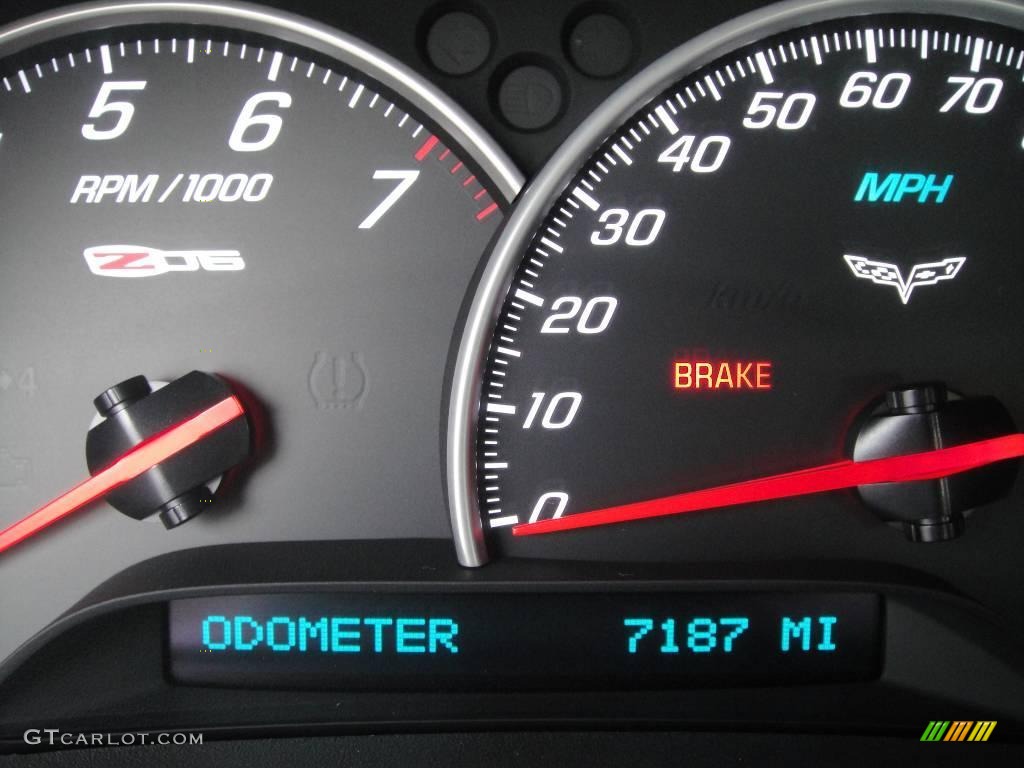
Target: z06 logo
[[143, 261]]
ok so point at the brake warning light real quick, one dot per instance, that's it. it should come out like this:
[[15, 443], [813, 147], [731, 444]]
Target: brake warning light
[[707, 375]]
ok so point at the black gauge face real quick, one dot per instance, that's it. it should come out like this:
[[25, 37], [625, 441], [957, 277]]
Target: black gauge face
[[300, 220], [730, 285]]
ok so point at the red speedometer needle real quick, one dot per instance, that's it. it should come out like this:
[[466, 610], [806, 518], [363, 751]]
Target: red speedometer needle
[[135, 462], [928, 465]]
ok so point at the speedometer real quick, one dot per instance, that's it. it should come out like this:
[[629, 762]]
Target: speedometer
[[774, 284]]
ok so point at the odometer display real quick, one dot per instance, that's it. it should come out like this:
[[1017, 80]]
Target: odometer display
[[726, 282], [501, 641]]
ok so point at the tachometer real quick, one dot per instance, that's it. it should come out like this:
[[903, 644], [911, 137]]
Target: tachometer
[[784, 261], [224, 189]]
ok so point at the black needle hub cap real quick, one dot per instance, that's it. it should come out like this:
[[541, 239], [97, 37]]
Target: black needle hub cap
[[177, 488], [923, 418]]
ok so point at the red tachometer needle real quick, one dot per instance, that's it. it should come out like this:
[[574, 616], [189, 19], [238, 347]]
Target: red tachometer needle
[[928, 465], [138, 460]]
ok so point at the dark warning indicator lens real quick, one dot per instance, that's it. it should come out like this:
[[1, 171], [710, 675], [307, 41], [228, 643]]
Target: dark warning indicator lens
[[550, 640]]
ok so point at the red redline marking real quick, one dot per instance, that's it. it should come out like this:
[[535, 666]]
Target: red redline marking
[[135, 462], [487, 211], [913, 467], [426, 149]]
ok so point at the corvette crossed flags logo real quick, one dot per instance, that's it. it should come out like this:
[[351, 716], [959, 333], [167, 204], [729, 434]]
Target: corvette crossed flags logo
[[882, 273]]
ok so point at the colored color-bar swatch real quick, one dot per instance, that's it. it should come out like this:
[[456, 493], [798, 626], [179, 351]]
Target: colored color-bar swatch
[[958, 730]]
